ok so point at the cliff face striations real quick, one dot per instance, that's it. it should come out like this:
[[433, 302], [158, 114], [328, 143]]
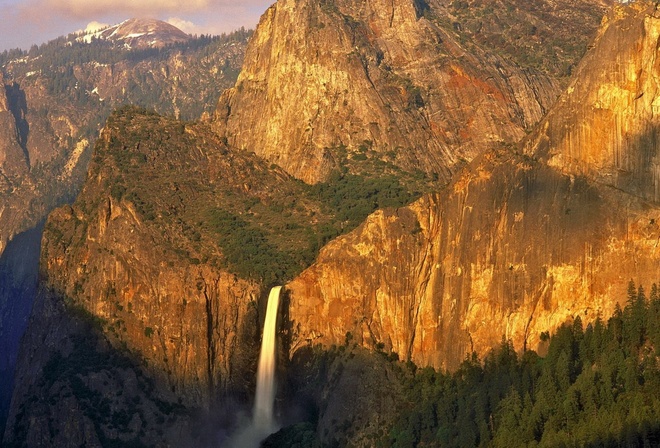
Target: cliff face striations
[[15, 183], [606, 124], [12, 155], [398, 78], [513, 247], [141, 268]]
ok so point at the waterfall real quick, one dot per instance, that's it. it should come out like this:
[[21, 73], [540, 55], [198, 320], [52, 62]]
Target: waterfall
[[262, 424], [265, 396]]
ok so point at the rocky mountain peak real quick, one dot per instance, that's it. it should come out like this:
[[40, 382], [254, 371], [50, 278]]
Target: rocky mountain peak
[[395, 81], [139, 33]]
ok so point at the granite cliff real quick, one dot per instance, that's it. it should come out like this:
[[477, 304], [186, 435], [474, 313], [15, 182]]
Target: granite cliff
[[129, 268], [53, 101], [605, 125], [401, 79], [512, 249], [519, 242]]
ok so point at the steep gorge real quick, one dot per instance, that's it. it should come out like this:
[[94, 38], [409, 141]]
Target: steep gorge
[[166, 255]]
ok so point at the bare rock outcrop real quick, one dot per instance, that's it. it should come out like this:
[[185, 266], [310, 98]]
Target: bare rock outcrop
[[394, 77], [131, 265], [606, 123], [512, 249], [514, 246]]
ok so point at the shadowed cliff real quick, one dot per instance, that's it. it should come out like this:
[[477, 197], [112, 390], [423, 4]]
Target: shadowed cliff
[[19, 265], [53, 101]]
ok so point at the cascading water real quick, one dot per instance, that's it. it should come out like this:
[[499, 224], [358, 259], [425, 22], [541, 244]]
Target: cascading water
[[265, 396], [263, 422]]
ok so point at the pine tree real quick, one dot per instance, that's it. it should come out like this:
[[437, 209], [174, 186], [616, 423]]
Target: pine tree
[[653, 318], [632, 294]]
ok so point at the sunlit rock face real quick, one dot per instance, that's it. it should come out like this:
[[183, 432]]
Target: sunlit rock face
[[606, 124], [513, 247], [394, 76]]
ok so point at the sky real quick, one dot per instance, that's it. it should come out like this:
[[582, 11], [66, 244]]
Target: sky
[[27, 22]]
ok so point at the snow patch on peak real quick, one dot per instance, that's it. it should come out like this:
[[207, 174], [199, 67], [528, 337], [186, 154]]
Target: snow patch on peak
[[132, 33], [94, 26]]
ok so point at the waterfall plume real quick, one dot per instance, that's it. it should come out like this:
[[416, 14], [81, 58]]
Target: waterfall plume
[[263, 422], [265, 395]]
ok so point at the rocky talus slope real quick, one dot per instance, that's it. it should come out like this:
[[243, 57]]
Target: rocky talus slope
[[515, 245], [401, 79]]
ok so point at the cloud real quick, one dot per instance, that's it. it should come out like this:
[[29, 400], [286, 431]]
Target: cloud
[[185, 25], [95, 26], [96, 8]]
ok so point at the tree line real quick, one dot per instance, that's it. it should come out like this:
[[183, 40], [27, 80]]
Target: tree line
[[597, 386]]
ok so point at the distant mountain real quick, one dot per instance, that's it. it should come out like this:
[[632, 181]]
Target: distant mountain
[[139, 33]]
